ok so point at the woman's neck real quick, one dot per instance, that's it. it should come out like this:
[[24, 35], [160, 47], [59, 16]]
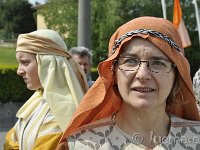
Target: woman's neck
[[148, 123]]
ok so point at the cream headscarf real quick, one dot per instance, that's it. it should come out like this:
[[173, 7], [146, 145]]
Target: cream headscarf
[[63, 81]]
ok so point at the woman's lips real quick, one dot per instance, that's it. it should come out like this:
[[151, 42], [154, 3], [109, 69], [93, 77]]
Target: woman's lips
[[143, 89]]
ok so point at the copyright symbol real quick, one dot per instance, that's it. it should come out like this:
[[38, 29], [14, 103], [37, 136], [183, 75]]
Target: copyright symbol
[[137, 138]]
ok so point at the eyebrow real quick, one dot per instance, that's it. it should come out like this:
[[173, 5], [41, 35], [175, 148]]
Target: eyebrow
[[128, 55], [159, 58], [152, 58]]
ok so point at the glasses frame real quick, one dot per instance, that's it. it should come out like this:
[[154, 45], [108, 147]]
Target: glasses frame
[[143, 61]]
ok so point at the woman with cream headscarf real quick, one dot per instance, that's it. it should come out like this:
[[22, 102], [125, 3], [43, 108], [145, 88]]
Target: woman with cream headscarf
[[143, 98], [59, 82]]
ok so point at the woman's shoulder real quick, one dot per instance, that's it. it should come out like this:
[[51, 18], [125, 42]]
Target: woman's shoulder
[[91, 134], [184, 127], [180, 122], [99, 125], [183, 134], [94, 130]]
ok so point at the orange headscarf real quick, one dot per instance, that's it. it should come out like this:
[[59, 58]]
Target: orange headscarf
[[102, 100]]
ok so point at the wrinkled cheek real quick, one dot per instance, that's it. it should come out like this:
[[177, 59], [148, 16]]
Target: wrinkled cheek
[[123, 89], [123, 80], [165, 91]]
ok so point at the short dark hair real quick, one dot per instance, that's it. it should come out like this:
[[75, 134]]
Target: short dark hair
[[82, 52]]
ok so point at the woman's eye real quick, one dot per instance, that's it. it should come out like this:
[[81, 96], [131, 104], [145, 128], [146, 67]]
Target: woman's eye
[[130, 61], [25, 63], [158, 63]]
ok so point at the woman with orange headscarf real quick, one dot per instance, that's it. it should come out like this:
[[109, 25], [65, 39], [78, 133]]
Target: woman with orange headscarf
[[59, 84], [143, 98]]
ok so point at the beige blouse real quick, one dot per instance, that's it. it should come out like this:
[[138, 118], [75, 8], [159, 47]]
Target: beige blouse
[[106, 135]]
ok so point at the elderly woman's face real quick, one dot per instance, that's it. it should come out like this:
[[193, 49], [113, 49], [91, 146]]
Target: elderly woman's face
[[28, 70], [144, 86]]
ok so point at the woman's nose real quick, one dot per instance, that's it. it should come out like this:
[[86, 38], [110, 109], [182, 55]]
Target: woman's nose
[[143, 72], [20, 71]]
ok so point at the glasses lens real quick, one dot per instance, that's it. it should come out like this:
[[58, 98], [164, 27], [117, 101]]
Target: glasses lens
[[159, 66], [133, 64], [128, 63]]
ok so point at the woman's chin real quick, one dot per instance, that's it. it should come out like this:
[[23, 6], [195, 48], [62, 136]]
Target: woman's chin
[[31, 88], [143, 106]]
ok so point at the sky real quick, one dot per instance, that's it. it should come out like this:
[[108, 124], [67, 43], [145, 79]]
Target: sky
[[40, 1]]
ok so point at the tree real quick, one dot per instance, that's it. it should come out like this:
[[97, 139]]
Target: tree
[[62, 16], [1, 8], [17, 17]]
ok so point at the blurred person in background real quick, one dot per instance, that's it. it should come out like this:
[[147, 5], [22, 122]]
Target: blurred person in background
[[83, 56], [59, 84]]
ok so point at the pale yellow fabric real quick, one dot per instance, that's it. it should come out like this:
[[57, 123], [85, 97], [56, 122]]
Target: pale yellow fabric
[[26, 110], [13, 137], [61, 89], [11, 144], [47, 142], [47, 112], [37, 123]]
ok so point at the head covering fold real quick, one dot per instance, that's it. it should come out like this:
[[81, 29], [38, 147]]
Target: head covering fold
[[102, 97], [39, 45]]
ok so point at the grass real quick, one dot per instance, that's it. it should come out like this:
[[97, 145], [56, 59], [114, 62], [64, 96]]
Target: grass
[[7, 57]]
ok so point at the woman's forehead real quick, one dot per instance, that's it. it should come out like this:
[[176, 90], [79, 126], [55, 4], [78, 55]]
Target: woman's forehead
[[21, 54], [139, 46]]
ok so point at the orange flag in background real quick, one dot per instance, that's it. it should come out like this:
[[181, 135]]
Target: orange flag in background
[[179, 24]]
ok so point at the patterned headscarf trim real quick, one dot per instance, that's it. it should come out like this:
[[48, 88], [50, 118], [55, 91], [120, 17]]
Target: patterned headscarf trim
[[145, 31]]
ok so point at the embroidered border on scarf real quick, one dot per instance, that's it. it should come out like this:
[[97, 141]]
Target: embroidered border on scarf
[[145, 31]]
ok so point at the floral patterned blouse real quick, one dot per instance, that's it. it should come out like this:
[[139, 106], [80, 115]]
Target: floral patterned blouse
[[106, 135], [196, 86]]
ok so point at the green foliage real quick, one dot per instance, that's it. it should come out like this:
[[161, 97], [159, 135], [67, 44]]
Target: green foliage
[[94, 73], [12, 88], [1, 19], [62, 17], [105, 19], [7, 57], [16, 18]]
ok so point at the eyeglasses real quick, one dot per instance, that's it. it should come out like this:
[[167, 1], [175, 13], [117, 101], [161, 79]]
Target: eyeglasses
[[133, 64]]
